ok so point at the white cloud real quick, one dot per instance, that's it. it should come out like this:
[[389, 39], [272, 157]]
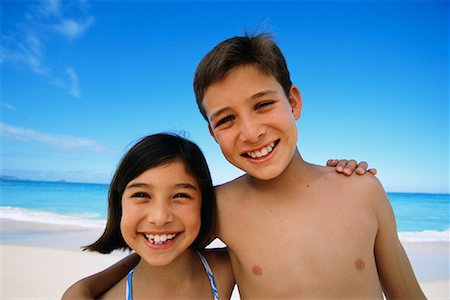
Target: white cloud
[[26, 50], [74, 86], [59, 141], [51, 7], [8, 106], [71, 28], [25, 44]]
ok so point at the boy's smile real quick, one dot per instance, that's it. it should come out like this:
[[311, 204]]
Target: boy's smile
[[253, 121], [262, 152]]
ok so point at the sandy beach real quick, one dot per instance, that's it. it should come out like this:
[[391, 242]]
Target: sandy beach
[[40, 261]]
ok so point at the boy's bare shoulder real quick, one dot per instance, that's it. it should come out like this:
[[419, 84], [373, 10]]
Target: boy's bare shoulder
[[366, 186], [355, 179], [230, 188]]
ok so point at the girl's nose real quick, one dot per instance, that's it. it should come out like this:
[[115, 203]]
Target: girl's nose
[[159, 213]]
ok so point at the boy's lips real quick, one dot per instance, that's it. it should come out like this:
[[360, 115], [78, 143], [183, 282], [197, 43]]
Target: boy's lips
[[261, 152]]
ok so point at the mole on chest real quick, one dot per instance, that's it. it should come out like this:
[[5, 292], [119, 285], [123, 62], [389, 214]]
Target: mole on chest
[[360, 264], [257, 270]]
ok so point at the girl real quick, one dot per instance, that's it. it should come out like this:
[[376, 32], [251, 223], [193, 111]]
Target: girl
[[161, 204]]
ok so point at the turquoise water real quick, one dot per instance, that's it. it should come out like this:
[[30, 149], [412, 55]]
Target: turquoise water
[[420, 217]]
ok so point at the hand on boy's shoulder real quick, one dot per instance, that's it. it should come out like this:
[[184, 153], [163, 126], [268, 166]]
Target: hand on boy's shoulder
[[366, 184]]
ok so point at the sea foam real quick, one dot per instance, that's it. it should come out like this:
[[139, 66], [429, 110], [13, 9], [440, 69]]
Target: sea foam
[[29, 215], [89, 220], [425, 236]]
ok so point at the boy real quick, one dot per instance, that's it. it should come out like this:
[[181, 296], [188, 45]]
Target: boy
[[293, 229]]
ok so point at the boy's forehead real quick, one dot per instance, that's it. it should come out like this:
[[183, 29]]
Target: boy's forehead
[[244, 82]]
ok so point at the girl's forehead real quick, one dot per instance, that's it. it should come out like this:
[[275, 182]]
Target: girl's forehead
[[175, 171]]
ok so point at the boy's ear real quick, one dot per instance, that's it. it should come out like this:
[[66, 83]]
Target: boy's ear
[[211, 132], [295, 101]]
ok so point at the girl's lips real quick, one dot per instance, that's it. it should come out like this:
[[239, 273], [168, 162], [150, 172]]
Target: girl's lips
[[160, 241], [159, 238]]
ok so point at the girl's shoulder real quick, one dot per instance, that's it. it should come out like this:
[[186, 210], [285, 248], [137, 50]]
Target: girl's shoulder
[[219, 262], [216, 256], [118, 291]]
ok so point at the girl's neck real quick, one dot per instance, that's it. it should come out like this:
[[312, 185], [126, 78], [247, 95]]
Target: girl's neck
[[180, 271], [183, 278]]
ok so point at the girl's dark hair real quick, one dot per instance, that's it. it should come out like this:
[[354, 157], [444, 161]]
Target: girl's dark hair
[[259, 50], [150, 152]]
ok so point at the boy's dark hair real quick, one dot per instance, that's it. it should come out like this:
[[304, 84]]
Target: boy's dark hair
[[153, 151], [259, 50]]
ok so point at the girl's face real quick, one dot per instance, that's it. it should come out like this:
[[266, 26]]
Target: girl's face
[[161, 213]]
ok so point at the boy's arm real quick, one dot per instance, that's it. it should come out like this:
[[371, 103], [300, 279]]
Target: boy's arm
[[394, 269], [348, 167], [96, 285]]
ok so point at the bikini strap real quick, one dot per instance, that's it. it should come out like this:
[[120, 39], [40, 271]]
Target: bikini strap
[[129, 286], [214, 290]]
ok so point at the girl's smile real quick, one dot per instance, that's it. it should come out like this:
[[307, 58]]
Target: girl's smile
[[161, 213]]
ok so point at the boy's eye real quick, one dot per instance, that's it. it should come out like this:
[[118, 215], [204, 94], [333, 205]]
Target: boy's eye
[[264, 104], [224, 120]]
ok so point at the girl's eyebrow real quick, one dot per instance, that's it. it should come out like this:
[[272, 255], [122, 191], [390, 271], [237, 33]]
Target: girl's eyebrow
[[184, 185], [137, 185]]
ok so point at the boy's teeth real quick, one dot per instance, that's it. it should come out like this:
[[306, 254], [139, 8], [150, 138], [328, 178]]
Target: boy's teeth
[[263, 152], [159, 239]]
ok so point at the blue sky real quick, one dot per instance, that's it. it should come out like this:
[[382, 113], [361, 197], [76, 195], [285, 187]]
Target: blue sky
[[82, 80]]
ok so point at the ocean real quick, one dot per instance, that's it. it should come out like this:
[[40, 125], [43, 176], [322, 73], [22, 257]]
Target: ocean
[[420, 217]]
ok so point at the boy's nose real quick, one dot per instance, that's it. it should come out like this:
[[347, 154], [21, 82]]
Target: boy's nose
[[159, 214], [250, 131]]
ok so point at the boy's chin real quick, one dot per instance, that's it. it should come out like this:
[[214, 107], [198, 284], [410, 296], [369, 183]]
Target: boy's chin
[[263, 176]]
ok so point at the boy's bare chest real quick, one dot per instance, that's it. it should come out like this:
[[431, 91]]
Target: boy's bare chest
[[300, 246]]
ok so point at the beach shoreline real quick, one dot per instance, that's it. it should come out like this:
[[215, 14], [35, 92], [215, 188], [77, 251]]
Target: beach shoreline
[[41, 260]]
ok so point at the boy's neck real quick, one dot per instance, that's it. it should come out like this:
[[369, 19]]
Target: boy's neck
[[295, 173]]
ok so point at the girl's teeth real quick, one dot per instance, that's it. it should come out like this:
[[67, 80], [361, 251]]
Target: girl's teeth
[[159, 239]]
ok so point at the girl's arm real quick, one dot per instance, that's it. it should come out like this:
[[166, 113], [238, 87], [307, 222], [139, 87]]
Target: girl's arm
[[94, 286]]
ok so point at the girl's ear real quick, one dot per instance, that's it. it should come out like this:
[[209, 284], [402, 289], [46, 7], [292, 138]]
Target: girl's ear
[[295, 101]]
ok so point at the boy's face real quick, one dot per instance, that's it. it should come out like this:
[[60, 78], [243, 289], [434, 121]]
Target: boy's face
[[253, 121]]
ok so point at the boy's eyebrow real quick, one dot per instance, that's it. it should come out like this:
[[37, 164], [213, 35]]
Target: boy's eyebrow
[[220, 111], [262, 94], [252, 97]]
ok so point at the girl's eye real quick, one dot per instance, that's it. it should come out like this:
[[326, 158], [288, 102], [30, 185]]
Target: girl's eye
[[140, 195], [182, 195], [224, 120]]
